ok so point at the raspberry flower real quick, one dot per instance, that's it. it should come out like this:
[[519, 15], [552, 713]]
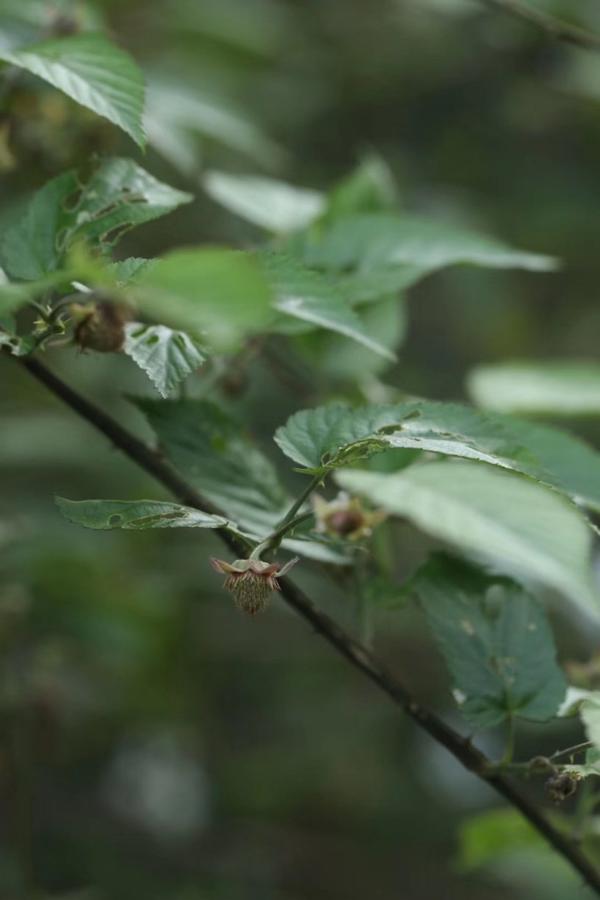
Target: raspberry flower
[[251, 581]]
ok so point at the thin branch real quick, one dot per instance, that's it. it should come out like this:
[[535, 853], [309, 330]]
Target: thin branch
[[354, 652], [552, 28], [570, 751]]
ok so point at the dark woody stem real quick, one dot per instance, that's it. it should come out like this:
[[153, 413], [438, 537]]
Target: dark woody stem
[[359, 657]]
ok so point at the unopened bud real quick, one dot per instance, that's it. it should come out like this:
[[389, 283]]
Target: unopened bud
[[100, 325], [345, 517]]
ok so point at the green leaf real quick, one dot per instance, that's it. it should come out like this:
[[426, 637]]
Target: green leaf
[[212, 291], [564, 460], [274, 205], [591, 765], [94, 72], [330, 436], [118, 196], [383, 239], [175, 116], [212, 452], [166, 356], [314, 298], [126, 271], [341, 359], [495, 640], [590, 716], [369, 187], [524, 527], [13, 296], [136, 514], [489, 836], [29, 249], [567, 388]]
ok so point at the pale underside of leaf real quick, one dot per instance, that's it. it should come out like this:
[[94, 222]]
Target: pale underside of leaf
[[93, 72], [165, 355], [136, 515], [523, 527]]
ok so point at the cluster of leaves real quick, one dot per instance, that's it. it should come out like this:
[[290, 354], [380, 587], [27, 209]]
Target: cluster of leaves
[[508, 495]]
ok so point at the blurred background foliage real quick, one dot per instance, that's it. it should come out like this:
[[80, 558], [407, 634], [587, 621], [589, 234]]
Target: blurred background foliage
[[154, 743]]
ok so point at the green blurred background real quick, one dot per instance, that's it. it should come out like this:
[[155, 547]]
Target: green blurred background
[[154, 743]]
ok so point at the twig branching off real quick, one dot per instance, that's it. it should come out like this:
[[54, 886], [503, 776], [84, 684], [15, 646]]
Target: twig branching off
[[552, 28], [354, 652]]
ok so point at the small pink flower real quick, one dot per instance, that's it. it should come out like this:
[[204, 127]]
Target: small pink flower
[[251, 581]]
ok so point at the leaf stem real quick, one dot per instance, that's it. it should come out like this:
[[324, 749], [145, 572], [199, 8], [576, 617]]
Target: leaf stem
[[289, 521], [577, 748]]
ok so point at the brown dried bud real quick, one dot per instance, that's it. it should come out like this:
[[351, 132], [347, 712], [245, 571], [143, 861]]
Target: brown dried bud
[[345, 517], [561, 786], [100, 324], [251, 581]]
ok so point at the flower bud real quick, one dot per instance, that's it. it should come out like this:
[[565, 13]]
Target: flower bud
[[345, 517], [99, 324]]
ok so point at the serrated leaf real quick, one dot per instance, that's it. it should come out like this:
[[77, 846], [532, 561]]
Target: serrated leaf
[[212, 452], [384, 239], [211, 291], [118, 196], [314, 298], [564, 460], [274, 205], [29, 249], [566, 388], [126, 271], [93, 72], [328, 436], [136, 514], [496, 642], [166, 356], [523, 527]]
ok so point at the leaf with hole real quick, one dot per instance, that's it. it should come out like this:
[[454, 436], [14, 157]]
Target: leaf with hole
[[118, 196], [166, 356], [136, 515], [331, 436], [29, 248]]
